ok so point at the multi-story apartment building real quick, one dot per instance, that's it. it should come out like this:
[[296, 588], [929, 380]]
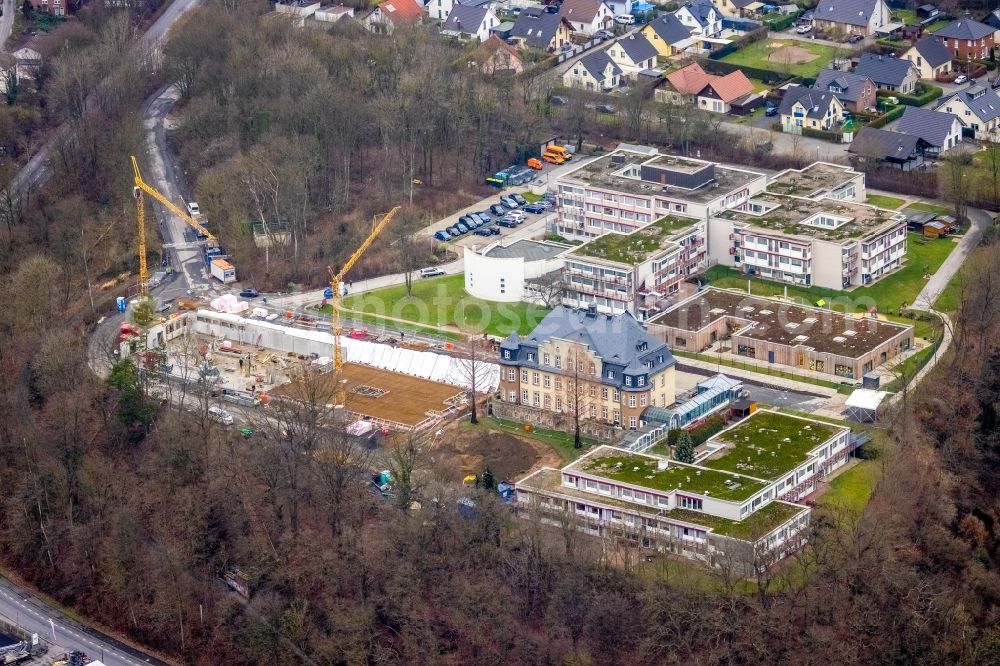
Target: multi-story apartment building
[[636, 185], [600, 367], [821, 180], [635, 272], [734, 506], [827, 243]]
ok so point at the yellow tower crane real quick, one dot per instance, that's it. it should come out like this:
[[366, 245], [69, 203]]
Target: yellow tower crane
[[336, 278], [138, 188]]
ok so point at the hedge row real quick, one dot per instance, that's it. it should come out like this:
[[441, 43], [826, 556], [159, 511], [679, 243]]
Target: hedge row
[[826, 135], [782, 23], [931, 94], [888, 117], [713, 424], [755, 35], [768, 76]]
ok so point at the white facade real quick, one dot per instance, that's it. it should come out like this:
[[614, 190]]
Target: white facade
[[494, 278], [439, 9], [712, 27]]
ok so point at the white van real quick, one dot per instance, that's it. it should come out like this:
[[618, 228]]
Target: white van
[[625, 19], [193, 209], [220, 415]]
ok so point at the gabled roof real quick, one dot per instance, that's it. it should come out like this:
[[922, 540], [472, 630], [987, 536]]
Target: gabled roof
[[851, 12], [933, 51], [883, 144], [580, 11], [637, 47], [495, 45], [884, 70], [731, 87], [850, 85], [536, 27], [994, 18], [816, 102], [982, 101], [700, 10], [965, 28], [466, 18], [597, 62], [401, 12], [931, 126], [689, 80], [669, 28]]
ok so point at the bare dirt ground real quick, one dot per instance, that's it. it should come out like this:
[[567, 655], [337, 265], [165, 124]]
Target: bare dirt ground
[[791, 55], [462, 451]]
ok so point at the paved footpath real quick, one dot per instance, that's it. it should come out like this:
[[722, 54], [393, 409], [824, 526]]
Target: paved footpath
[[981, 220]]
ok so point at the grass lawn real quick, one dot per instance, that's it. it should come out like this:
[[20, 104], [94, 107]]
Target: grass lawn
[[531, 197], [925, 207], [905, 16], [883, 201], [404, 327], [769, 445], [756, 55], [890, 294], [442, 303], [936, 25], [852, 488], [561, 442]]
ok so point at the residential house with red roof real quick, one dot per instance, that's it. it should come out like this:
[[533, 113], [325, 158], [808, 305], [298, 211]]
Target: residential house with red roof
[[392, 14]]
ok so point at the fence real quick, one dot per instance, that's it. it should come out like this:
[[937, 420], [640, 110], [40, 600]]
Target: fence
[[582, 48]]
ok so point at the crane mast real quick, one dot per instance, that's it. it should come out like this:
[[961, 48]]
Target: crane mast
[[139, 187], [337, 277]]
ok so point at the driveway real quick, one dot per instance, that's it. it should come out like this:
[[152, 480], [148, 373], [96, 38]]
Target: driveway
[[980, 221], [804, 147]]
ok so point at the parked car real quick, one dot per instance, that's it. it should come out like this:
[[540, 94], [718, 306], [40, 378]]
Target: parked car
[[961, 78], [605, 108], [485, 216], [249, 292], [624, 19], [566, 47], [463, 227], [545, 203], [494, 230], [442, 235], [454, 231], [558, 100], [498, 209], [220, 415], [509, 202], [431, 271], [534, 208], [534, 163], [517, 216], [604, 34], [804, 29], [519, 199], [770, 109], [507, 222], [483, 231], [468, 221], [854, 39]]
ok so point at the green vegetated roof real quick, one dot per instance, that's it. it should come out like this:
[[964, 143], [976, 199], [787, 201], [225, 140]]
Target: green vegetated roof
[[791, 213], [642, 471], [636, 247], [768, 445], [757, 524]]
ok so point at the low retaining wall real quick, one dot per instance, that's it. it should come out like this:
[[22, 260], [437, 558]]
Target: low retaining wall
[[540, 418]]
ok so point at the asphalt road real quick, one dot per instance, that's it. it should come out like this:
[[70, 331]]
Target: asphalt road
[[980, 221], [35, 617], [6, 22], [36, 171]]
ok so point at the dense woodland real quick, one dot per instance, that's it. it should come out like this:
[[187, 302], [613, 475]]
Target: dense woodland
[[131, 513]]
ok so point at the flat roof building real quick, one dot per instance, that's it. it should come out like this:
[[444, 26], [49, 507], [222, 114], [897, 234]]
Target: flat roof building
[[635, 272], [826, 242], [734, 504], [777, 331], [820, 180], [636, 185]]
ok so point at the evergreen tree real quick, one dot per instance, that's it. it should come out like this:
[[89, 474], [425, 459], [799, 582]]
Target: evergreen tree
[[684, 448]]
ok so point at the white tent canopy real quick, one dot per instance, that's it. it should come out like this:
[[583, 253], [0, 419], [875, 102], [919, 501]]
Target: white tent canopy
[[864, 403]]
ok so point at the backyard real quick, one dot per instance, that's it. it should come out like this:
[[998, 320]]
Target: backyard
[[882, 201], [441, 303], [795, 57], [890, 294]]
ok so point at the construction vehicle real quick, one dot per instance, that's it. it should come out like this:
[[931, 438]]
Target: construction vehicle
[[140, 186], [337, 277], [223, 271], [553, 157]]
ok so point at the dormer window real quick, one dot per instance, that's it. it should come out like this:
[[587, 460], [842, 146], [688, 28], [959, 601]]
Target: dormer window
[[641, 381], [628, 381], [506, 354], [611, 374], [531, 357]]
